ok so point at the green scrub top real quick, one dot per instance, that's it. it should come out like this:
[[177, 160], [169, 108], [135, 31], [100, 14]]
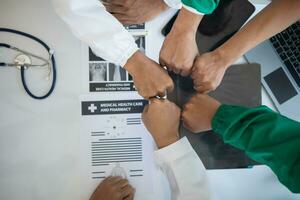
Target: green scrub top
[[266, 136], [202, 6]]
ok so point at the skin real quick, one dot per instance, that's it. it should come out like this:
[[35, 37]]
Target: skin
[[198, 113], [161, 118], [149, 78], [180, 48], [135, 11], [208, 70], [113, 188]]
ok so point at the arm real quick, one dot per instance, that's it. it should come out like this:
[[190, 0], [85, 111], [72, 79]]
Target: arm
[[266, 137], [276, 17], [180, 49], [209, 68], [177, 158], [184, 170], [92, 24]]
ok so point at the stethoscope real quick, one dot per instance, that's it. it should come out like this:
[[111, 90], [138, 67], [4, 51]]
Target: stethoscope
[[23, 61]]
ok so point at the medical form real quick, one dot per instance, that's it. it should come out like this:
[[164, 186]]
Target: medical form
[[115, 142]]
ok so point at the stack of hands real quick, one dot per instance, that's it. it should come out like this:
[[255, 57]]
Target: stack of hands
[[179, 52]]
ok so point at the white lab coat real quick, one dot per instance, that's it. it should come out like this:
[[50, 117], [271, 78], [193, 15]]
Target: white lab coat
[[185, 172], [91, 23]]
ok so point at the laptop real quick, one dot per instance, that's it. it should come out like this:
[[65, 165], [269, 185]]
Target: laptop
[[279, 58]]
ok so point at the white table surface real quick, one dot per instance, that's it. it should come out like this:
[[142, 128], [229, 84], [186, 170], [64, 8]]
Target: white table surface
[[39, 140]]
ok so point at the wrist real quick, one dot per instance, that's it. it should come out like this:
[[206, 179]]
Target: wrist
[[162, 5], [216, 106], [233, 49], [226, 57], [168, 141], [134, 62], [187, 21]]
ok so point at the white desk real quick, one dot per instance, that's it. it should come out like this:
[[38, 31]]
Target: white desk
[[39, 140]]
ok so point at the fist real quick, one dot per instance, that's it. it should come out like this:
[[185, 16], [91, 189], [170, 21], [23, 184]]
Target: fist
[[198, 113], [135, 11], [178, 52], [161, 118], [208, 71], [113, 188], [180, 49], [149, 78]]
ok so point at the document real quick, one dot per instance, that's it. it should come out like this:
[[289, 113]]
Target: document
[[103, 76], [114, 142]]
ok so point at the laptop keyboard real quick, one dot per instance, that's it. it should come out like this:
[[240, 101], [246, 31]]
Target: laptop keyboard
[[287, 45]]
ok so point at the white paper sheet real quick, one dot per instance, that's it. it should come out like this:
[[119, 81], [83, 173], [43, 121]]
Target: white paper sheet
[[114, 141]]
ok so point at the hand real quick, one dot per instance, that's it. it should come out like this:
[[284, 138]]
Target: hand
[[198, 113], [113, 188], [149, 78], [161, 118], [208, 71], [180, 49], [135, 11]]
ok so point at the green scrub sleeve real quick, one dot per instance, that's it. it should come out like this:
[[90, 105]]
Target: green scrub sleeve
[[202, 6], [265, 136]]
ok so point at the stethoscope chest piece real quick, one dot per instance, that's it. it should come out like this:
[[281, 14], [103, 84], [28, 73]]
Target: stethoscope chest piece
[[22, 60]]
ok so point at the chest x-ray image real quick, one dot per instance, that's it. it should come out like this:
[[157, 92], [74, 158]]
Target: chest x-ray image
[[98, 72], [140, 41], [116, 73]]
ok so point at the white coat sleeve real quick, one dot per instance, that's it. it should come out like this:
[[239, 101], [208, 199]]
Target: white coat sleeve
[[91, 23], [184, 170], [176, 4]]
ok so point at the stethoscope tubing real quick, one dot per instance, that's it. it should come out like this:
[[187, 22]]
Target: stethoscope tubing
[[23, 68]]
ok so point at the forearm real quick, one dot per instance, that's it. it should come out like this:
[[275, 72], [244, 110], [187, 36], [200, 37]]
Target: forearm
[[265, 136], [277, 16], [187, 21], [92, 24], [184, 170]]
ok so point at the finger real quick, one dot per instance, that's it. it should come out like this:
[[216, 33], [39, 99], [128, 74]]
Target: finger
[[185, 72], [115, 179], [130, 197], [146, 108], [127, 190], [198, 82], [195, 75], [161, 94], [185, 122], [162, 62], [122, 183], [115, 9], [107, 179], [175, 70], [122, 18], [115, 2], [202, 88], [170, 86], [154, 100]]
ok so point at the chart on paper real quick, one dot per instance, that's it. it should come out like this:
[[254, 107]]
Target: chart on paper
[[114, 142]]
